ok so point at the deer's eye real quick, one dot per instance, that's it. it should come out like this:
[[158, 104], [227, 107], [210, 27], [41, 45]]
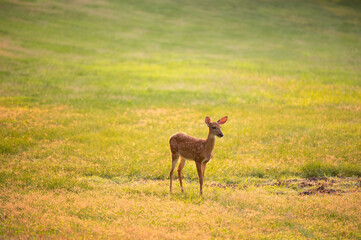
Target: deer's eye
[[214, 127]]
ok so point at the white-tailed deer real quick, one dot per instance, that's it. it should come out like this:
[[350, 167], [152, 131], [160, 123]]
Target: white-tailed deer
[[190, 148]]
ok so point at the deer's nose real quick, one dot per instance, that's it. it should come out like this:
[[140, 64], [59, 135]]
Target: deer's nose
[[220, 135]]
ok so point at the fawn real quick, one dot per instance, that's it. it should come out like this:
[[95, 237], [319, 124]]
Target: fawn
[[190, 148]]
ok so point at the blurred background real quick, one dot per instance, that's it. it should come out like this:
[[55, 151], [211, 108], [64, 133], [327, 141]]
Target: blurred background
[[96, 88]]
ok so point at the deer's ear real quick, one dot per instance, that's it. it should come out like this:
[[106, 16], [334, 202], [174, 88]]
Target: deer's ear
[[207, 120], [223, 120]]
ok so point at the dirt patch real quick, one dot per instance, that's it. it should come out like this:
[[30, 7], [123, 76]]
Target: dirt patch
[[309, 186], [312, 182], [328, 186], [323, 190], [280, 183], [224, 186], [315, 179]]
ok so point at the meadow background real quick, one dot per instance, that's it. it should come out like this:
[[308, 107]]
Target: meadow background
[[91, 91]]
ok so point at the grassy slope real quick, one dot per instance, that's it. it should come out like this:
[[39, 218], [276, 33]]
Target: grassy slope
[[90, 92]]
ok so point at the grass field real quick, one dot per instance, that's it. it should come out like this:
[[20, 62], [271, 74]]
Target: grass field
[[91, 91]]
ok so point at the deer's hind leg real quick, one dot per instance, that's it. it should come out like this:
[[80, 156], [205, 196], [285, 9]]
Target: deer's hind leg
[[175, 157], [180, 168]]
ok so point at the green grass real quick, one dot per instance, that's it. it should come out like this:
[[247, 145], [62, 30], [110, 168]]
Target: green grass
[[91, 91]]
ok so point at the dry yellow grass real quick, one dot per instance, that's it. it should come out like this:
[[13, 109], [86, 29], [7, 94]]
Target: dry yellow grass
[[144, 209]]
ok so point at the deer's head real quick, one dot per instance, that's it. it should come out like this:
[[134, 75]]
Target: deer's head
[[215, 127]]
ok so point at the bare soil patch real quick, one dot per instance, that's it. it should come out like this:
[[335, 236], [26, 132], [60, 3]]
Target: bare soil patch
[[323, 190], [309, 186]]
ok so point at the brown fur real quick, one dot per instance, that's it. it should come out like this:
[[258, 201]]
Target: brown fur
[[190, 148]]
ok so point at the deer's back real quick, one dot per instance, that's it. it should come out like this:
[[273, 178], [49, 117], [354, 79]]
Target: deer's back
[[187, 146]]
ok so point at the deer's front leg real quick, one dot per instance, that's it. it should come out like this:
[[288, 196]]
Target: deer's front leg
[[203, 169], [200, 176]]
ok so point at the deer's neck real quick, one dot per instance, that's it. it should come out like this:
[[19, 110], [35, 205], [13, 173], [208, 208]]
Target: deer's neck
[[210, 141]]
